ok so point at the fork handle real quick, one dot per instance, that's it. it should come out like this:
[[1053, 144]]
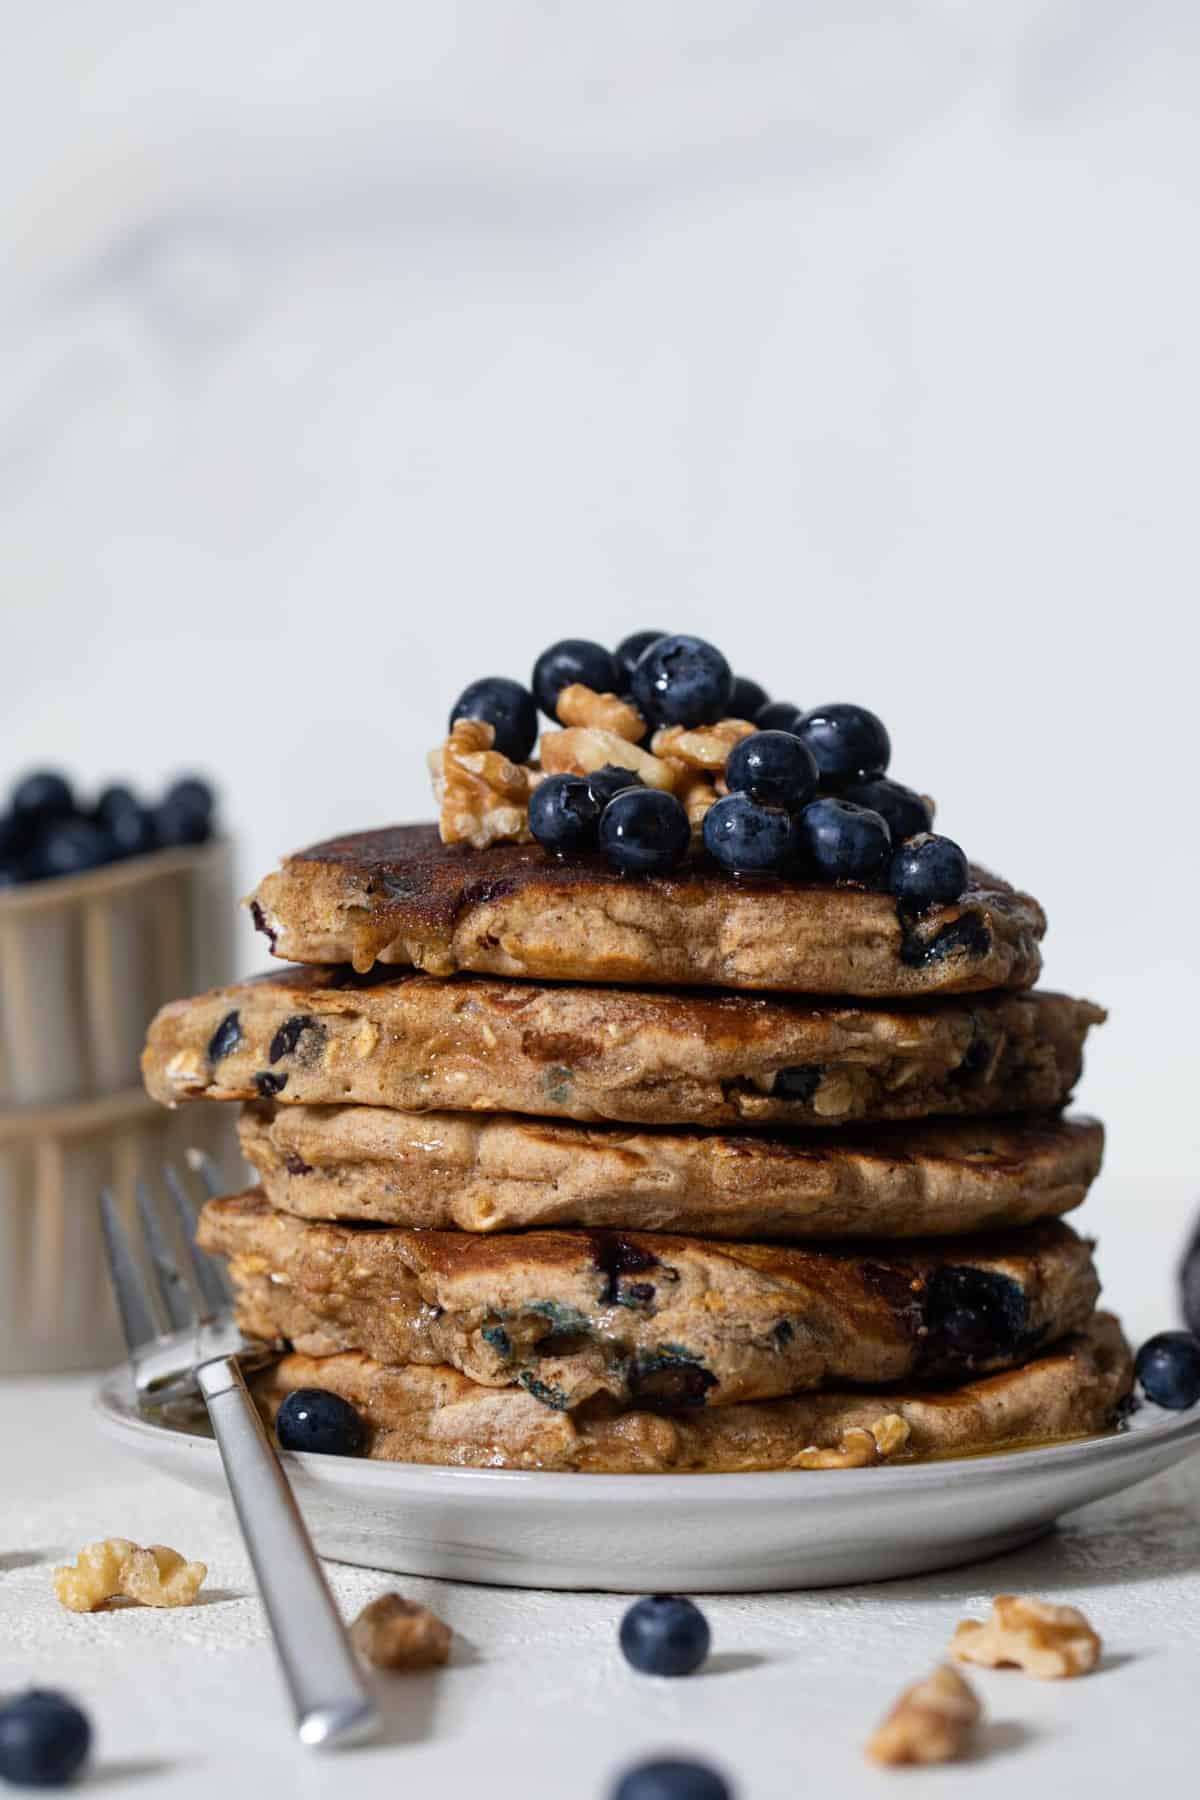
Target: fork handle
[[331, 1698]]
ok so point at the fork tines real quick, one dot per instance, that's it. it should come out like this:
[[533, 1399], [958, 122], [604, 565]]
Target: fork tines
[[189, 1289]]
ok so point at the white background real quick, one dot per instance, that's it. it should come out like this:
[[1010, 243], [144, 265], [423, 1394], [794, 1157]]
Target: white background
[[349, 353]]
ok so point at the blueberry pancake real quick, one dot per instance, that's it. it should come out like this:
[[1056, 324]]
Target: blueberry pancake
[[501, 1172], [419, 1414], [645, 1318], [401, 896], [649, 1057]]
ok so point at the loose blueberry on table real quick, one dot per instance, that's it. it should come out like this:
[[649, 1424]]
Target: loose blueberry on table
[[44, 1739], [314, 1419], [48, 832], [671, 1779], [1168, 1368], [665, 1634]]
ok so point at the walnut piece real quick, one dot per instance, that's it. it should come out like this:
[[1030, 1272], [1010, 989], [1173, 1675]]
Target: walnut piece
[[931, 1722], [394, 1633], [703, 746], [116, 1569], [1047, 1641], [580, 705], [482, 797], [582, 749], [697, 793], [860, 1446]]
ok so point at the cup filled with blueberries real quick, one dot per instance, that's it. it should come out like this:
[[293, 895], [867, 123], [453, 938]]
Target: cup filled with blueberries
[[48, 830]]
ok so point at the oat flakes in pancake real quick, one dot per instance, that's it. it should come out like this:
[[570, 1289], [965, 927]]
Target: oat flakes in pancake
[[682, 1321], [652, 1056], [435, 1415], [401, 896], [502, 1172]]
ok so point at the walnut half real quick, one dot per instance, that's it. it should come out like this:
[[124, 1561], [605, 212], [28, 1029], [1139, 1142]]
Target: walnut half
[[116, 1569], [482, 797], [1049, 1642], [931, 1722], [860, 1446], [395, 1633]]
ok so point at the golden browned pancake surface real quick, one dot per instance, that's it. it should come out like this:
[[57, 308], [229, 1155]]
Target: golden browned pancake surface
[[400, 896], [503, 1172], [643, 1317], [639, 1056], [437, 1415]]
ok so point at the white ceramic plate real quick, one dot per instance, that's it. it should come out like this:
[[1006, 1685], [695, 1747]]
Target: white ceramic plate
[[688, 1533]]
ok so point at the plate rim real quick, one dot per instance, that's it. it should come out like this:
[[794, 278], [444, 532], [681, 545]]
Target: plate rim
[[112, 1404]]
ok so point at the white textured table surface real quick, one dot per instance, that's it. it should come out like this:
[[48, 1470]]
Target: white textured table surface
[[537, 1703]]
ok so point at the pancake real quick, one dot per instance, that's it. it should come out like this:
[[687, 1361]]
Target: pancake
[[436, 1415], [401, 896], [500, 1172], [652, 1057], [639, 1317]]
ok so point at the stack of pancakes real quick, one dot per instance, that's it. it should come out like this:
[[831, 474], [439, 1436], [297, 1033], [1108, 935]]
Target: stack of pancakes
[[560, 1169]]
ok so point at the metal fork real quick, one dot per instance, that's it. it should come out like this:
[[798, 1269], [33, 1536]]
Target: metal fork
[[332, 1701]]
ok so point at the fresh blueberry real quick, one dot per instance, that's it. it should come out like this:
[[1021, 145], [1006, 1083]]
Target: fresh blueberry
[[43, 797], [747, 698], [1168, 1367], [564, 814], [177, 824], [774, 767], [44, 1739], [1189, 1283], [777, 715], [644, 832], [70, 847], [14, 838], [907, 812], [507, 707], [848, 742], [844, 842], [665, 1634], [314, 1419], [114, 800], [569, 661], [927, 869], [628, 651], [681, 680], [748, 838], [610, 780], [191, 791], [670, 1778], [128, 823]]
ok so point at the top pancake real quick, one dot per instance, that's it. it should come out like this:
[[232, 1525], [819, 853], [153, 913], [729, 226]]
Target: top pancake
[[401, 896]]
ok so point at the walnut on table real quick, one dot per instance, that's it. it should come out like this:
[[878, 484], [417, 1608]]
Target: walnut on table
[[931, 1722], [395, 1633], [1050, 1642], [116, 1569], [482, 797]]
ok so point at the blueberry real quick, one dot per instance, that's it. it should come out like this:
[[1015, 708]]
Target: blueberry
[[927, 869], [644, 832], [748, 838], [193, 792], [844, 842], [314, 1419], [1168, 1367], [907, 812], [774, 767], [778, 715], [569, 661], [507, 707], [681, 680], [129, 824], [665, 1634], [72, 846], [610, 780], [43, 797], [747, 698], [177, 824], [564, 814], [112, 801], [14, 838], [671, 1779], [44, 1739], [628, 651], [847, 741]]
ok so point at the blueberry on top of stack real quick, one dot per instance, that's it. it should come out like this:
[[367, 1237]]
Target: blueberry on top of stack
[[678, 1101]]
